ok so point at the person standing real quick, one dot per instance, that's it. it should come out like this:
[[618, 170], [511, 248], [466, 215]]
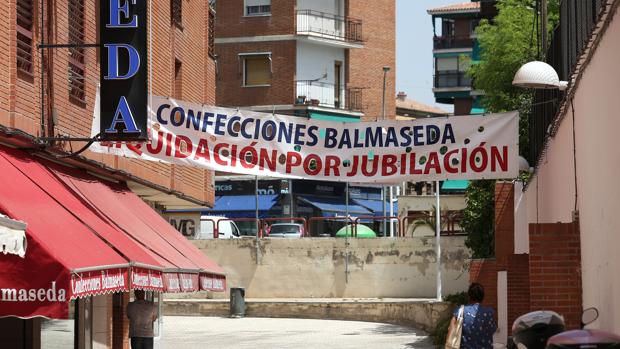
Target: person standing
[[478, 321], [141, 314]]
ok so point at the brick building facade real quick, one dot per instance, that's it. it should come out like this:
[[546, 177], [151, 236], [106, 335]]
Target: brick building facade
[[324, 58], [183, 66], [71, 77], [547, 277]]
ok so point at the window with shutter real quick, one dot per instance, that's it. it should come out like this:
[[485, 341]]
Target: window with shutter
[[77, 61], [25, 25], [256, 70], [257, 7]]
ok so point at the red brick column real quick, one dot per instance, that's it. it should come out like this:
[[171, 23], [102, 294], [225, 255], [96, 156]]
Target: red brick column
[[120, 322], [555, 270], [484, 272]]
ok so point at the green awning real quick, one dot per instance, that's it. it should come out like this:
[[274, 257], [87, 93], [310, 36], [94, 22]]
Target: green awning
[[455, 184], [333, 117], [451, 54]]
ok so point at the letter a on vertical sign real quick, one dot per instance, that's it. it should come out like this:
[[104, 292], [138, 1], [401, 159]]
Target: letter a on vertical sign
[[124, 96]]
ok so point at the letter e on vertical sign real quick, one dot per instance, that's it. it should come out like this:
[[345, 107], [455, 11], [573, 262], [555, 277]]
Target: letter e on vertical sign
[[123, 77]]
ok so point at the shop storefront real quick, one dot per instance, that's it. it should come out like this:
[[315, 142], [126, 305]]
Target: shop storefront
[[87, 239]]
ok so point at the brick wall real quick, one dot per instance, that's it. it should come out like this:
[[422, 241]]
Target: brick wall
[[555, 270], [120, 323], [518, 287], [230, 79], [504, 223], [366, 65], [484, 272], [19, 95], [231, 22]]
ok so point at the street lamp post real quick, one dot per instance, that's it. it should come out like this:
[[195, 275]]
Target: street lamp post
[[386, 69]]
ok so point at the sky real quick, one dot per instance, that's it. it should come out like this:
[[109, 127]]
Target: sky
[[414, 49]]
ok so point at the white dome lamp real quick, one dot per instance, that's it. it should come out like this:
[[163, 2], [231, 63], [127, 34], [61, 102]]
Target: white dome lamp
[[538, 75]]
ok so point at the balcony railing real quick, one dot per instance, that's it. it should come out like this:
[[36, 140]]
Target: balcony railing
[[452, 79], [329, 26], [444, 42], [327, 95]]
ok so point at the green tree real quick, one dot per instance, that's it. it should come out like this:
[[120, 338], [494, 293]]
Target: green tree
[[506, 43], [479, 218]]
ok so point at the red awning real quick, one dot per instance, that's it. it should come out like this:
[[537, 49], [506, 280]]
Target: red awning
[[87, 237], [120, 205], [63, 258]]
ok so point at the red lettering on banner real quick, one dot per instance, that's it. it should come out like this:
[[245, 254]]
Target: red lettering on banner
[[169, 144], [182, 147], [432, 163], [388, 167], [157, 139], [292, 159], [318, 164], [496, 159], [202, 151], [332, 163], [446, 161], [375, 166], [413, 170]]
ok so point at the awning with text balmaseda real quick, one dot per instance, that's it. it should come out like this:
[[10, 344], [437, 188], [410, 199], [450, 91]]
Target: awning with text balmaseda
[[87, 236]]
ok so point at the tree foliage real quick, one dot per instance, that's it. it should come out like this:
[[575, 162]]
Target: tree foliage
[[506, 43], [478, 218]]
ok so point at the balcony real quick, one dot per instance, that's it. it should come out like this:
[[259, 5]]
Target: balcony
[[321, 94], [451, 79], [447, 42], [330, 28]]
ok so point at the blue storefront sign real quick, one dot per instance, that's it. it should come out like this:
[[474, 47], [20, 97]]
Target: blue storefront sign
[[123, 76]]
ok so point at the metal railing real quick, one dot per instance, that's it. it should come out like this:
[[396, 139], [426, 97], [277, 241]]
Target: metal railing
[[329, 26], [452, 79], [328, 95], [578, 19], [445, 42]]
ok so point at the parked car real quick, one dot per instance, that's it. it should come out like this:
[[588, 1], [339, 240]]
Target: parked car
[[285, 230], [226, 229]]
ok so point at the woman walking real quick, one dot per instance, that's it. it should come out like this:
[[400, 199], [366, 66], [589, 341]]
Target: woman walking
[[478, 322]]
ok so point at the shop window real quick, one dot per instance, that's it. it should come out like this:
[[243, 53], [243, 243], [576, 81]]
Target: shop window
[[176, 13], [25, 25], [257, 7], [77, 62], [256, 70]]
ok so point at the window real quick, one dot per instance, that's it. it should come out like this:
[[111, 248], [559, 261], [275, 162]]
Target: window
[[176, 12], [257, 7], [256, 69], [76, 59], [211, 33], [25, 24], [447, 27], [447, 64]]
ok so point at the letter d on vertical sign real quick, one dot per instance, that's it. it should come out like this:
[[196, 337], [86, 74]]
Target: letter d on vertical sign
[[123, 76]]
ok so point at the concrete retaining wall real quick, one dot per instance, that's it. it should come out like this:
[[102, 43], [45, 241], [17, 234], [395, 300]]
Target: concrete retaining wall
[[319, 267], [422, 314]]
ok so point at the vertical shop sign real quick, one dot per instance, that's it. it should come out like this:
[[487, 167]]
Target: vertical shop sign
[[123, 70]]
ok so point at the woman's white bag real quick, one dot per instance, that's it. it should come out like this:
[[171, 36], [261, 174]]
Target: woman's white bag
[[454, 339]]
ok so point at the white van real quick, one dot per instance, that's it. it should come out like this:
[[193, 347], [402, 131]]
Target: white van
[[226, 229]]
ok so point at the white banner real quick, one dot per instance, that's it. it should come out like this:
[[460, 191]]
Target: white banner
[[245, 142]]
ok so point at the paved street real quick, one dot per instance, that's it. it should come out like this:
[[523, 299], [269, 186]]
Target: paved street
[[223, 333]]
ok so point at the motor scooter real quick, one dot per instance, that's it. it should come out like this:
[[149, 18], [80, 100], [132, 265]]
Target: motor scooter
[[546, 330]]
